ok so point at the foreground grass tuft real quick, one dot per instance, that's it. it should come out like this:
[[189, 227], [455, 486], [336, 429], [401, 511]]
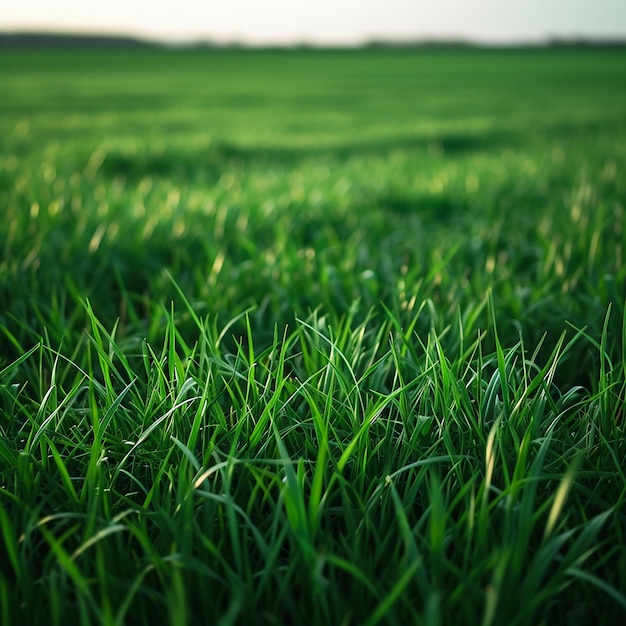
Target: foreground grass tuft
[[354, 472]]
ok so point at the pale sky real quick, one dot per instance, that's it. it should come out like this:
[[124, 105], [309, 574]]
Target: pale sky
[[322, 21]]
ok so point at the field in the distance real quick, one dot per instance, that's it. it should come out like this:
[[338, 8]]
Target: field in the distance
[[329, 337]]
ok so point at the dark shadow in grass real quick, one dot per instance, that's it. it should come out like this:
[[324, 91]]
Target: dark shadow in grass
[[432, 208], [173, 165], [210, 163]]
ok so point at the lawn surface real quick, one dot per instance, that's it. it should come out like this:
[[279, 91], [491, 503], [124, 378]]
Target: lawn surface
[[315, 337]]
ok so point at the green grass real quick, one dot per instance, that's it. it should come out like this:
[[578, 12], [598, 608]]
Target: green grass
[[319, 337]]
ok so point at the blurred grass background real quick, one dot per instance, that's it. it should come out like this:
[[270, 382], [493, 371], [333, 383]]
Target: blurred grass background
[[289, 180]]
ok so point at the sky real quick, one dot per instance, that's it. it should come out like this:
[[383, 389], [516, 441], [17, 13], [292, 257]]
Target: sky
[[322, 21]]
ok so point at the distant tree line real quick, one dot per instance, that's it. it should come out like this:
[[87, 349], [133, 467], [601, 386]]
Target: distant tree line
[[73, 40]]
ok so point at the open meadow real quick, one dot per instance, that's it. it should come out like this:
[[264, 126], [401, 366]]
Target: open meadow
[[313, 336]]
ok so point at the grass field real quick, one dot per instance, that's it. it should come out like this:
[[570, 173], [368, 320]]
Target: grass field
[[313, 337]]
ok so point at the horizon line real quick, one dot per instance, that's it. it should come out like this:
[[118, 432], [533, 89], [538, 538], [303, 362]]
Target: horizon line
[[67, 38]]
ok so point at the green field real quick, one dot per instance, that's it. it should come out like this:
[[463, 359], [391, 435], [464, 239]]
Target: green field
[[313, 336]]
